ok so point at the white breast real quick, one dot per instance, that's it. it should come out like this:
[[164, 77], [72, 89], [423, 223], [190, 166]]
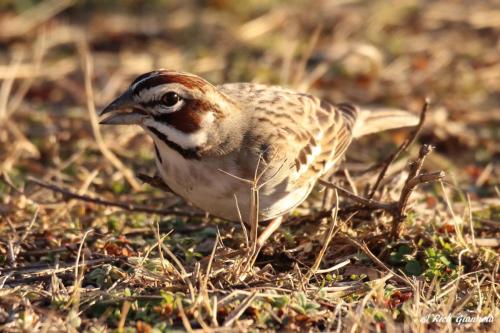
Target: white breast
[[202, 183]]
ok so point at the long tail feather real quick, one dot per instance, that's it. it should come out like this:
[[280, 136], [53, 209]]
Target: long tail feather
[[374, 121]]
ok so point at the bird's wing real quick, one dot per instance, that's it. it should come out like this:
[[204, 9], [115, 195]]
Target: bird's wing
[[294, 131]]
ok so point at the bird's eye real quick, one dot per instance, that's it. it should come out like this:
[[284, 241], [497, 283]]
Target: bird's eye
[[170, 99]]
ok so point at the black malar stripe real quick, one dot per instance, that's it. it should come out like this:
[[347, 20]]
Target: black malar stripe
[[186, 153], [157, 152]]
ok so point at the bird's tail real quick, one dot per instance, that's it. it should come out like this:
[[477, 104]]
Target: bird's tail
[[378, 120]]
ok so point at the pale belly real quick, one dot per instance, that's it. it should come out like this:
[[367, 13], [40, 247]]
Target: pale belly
[[209, 188]]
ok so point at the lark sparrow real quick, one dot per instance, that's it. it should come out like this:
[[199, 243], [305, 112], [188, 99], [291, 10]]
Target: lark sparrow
[[209, 139]]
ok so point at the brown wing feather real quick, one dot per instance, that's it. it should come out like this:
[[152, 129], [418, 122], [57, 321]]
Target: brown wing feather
[[335, 123], [307, 134]]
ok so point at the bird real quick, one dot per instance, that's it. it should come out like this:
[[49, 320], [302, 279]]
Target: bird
[[231, 147]]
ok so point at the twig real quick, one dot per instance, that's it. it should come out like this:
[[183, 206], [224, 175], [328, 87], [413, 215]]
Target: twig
[[334, 268], [471, 223], [45, 268], [159, 240], [328, 237], [408, 142], [20, 275], [33, 17], [396, 208], [487, 242], [124, 205], [414, 179], [4, 177], [75, 297], [44, 252], [8, 84], [378, 262], [13, 248], [209, 265], [123, 316], [369, 203], [256, 239], [184, 274], [203, 291], [184, 318], [243, 227], [235, 314], [89, 92]]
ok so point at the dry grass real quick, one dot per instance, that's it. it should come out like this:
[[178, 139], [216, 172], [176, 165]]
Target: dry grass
[[136, 258]]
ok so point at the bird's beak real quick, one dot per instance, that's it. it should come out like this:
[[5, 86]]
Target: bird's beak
[[122, 111]]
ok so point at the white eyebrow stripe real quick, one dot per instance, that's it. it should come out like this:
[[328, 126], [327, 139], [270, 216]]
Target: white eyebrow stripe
[[161, 72], [142, 80], [156, 92]]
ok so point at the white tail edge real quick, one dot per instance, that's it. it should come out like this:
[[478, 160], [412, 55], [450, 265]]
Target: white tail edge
[[378, 120]]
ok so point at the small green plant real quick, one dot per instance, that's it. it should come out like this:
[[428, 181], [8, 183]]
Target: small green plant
[[438, 265], [403, 256], [280, 302], [305, 305], [118, 187]]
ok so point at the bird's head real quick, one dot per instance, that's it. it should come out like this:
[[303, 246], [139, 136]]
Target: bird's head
[[181, 109]]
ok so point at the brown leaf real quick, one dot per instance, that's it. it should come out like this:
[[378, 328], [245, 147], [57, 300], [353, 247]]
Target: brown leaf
[[143, 327]]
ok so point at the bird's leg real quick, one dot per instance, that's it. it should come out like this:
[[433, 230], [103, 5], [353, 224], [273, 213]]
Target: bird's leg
[[268, 231], [263, 237]]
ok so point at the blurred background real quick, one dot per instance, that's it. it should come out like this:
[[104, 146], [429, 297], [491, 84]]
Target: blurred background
[[390, 53]]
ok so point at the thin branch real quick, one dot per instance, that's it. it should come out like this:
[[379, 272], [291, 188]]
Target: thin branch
[[329, 234], [396, 208], [335, 267], [236, 313], [243, 227], [378, 262], [68, 195], [368, 203], [182, 314], [159, 241], [75, 296], [36, 273], [414, 178], [87, 67], [407, 143]]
